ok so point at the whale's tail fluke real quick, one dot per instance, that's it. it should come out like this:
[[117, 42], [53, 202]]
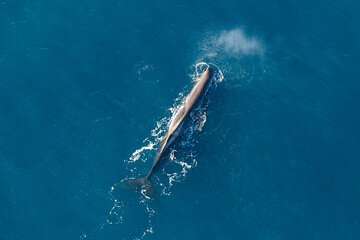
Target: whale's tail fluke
[[143, 185]]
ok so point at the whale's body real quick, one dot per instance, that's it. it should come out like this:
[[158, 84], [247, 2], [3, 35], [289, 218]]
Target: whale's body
[[175, 129]]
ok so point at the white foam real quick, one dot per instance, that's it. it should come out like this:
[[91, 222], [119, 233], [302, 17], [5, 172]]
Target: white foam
[[137, 154]]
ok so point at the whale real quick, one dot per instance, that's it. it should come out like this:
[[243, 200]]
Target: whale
[[175, 128]]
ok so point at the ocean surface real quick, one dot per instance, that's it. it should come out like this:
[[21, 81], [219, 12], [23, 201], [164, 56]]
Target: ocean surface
[[87, 89]]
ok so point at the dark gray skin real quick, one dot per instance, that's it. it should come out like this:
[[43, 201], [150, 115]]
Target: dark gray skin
[[174, 130]]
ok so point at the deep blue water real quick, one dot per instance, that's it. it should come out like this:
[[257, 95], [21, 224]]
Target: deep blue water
[[83, 83]]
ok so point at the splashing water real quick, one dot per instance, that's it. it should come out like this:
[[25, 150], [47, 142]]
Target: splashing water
[[200, 67]]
